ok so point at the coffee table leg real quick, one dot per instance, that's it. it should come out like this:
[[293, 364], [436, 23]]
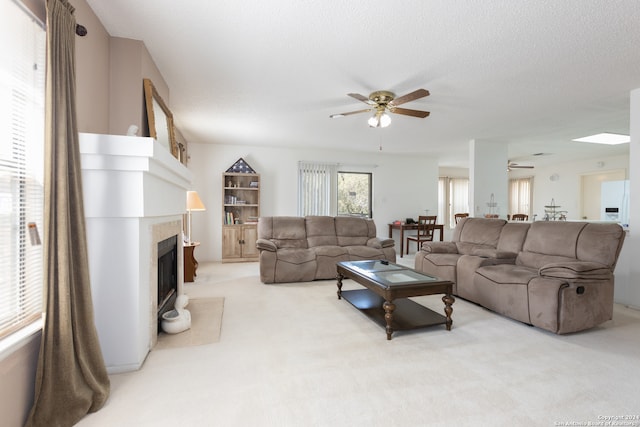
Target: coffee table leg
[[388, 316], [339, 277], [448, 302]]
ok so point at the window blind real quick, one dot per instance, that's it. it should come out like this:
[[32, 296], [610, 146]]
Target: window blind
[[317, 188], [22, 81]]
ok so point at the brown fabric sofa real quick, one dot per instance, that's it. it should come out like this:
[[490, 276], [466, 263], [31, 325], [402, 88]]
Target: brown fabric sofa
[[301, 249], [556, 275]]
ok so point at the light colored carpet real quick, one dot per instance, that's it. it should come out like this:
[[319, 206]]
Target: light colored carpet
[[294, 355], [206, 322]]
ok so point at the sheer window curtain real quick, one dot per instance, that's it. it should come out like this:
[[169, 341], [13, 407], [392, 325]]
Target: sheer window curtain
[[71, 379], [453, 198], [520, 195], [317, 188], [459, 189]]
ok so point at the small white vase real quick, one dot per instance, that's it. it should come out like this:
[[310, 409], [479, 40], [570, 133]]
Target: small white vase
[[179, 319]]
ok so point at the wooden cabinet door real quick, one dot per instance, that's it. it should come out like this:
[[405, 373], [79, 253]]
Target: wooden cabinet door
[[249, 237], [231, 238]]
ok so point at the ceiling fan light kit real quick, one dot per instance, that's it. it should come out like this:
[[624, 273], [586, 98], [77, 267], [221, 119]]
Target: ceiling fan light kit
[[379, 120], [383, 102]]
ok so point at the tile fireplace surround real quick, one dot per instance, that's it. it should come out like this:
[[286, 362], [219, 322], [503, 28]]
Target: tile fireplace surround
[[134, 195]]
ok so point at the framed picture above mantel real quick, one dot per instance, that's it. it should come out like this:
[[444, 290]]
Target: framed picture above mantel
[[160, 119]]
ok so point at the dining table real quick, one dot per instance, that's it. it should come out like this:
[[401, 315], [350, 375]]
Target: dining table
[[402, 226]]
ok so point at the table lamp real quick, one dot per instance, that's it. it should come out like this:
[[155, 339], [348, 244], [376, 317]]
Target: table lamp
[[193, 204]]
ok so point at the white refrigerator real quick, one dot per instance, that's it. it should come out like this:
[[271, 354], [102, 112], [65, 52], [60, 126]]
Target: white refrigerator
[[614, 205]]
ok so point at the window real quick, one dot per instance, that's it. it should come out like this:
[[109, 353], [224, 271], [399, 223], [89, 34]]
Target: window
[[453, 198], [354, 194], [323, 190], [520, 196], [22, 77]]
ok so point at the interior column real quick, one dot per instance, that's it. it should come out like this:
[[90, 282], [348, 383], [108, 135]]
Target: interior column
[[627, 270], [488, 175]]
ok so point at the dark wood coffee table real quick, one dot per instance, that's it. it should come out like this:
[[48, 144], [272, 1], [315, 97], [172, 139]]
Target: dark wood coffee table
[[386, 297]]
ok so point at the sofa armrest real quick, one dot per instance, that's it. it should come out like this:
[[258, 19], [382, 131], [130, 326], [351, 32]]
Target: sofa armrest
[[378, 243], [439, 247], [266, 245], [579, 270]]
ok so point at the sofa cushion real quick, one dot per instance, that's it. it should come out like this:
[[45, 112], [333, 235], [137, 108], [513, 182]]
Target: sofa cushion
[[503, 289], [326, 259], [352, 231], [295, 265], [296, 255], [284, 231], [512, 236], [553, 238], [536, 260], [479, 231], [321, 231], [508, 273], [600, 243], [486, 252], [357, 253]]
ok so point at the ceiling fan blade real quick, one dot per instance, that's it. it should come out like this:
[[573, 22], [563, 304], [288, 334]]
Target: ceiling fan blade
[[408, 112], [359, 97], [416, 94], [336, 116], [517, 166]]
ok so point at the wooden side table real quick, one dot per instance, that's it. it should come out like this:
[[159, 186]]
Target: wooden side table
[[190, 262]]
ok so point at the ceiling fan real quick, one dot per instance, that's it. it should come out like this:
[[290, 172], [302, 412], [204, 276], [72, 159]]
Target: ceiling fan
[[512, 165], [382, 102]]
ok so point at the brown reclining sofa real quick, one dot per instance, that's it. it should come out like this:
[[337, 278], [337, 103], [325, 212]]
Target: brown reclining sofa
[[302, 249], [556, 275]]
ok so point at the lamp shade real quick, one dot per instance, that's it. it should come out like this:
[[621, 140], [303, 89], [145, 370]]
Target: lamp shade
[[193, 202]]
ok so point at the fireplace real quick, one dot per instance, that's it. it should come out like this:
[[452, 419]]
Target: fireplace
[[167, 275], [134, 195]]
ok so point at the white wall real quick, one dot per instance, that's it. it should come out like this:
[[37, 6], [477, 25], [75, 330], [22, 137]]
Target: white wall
[[403, 186]]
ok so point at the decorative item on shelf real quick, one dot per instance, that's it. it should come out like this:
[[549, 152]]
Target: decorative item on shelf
[[132, 130], [193, 204], [240, 166]]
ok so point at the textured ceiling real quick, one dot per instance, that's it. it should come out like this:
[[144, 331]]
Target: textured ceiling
[[531, 74]]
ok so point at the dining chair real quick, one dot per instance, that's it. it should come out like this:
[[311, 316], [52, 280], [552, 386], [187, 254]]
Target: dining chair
[[457, 217], [520, 217], [425, 231]]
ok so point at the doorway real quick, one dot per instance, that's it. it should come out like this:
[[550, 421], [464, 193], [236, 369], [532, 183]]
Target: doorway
[[591, 193]]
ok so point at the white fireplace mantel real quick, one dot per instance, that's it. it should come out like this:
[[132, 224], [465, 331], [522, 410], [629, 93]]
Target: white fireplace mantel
[[134, 196]]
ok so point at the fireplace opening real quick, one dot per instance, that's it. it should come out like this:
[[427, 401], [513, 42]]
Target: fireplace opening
[[167, 275]]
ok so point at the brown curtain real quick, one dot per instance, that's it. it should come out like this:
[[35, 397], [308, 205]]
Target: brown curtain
[[71, 379]]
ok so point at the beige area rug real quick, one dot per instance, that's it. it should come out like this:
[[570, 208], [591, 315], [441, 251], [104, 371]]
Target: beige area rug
[[206, 322]]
